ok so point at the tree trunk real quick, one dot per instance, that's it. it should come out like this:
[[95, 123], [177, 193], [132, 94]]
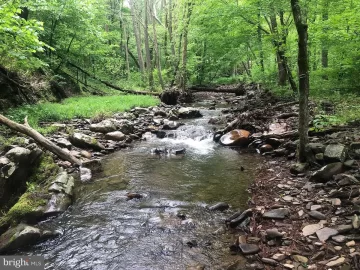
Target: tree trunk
[[324, 49], [157, 52], [260, 42], [126, 38], [137, 38], [304, 85], [147, 48], [183, 71], [40, 139]]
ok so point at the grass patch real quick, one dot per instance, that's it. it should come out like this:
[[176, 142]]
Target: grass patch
[[78, 107]]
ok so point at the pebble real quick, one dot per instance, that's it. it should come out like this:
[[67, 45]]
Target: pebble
[[279, 257], [350, 244], [273, 233], [221, 206], [317, 215], [338, 248], [337, 262], [300, 259], [336, 202], [249, 249], [315, 207], [269, 261], [311, 229], [339, 238], [279, 213]]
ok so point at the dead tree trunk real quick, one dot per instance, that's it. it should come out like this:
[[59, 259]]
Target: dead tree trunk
[[40, 139], [137, 38], [303, 63]]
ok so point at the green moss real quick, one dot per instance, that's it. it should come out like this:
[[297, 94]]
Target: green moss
[[94, 141], [26, 207], [45, 171], [6, 142]]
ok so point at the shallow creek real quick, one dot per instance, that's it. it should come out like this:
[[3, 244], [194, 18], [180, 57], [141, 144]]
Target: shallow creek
[[104, 230]]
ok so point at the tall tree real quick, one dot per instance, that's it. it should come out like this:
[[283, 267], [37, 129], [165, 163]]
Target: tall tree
[[304, 85]]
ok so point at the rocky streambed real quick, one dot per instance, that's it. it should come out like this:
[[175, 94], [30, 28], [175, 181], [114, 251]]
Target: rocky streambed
[[145, 197]]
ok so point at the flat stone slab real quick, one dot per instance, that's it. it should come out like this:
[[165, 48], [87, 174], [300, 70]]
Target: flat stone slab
[[325, 233], [249, 249], [280, 213]]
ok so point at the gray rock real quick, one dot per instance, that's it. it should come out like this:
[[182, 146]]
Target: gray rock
[[248, 249], [15, 168], [269, 261], [18, 237], [273, 233], [170, 125], [115, 136], [64, 143], [355, 146], [326, 173], [188, 113], [345, 180], [105, 126], [299, 168], [312, 228], [279, 213], [335, 153], [221, 206], [317, 148], [58, 204], [325, 233], [317, 215], [339, 238], [94, 165], [84, 141], [343, 228], [238, 219]]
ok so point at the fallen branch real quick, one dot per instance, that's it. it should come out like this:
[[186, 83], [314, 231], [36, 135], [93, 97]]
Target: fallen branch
[[113, 86], [40, 139]]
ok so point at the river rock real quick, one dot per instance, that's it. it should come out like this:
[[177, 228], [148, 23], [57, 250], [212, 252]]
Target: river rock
[[105, 126], [248, 249], [279, 213], [325, 233], [326, 173], [239, 219], [273, 233], [115, 136], [64, 143], [317, 148], [188, 113], [312, 228], [84, 141], [317, 215], [58, 204], [237, 137], [221, 206], [337, 262], [345, 180], [269, 261], [179, 151], [335, 153], [266, 148], [170, 125], [299, 168], [20, 236], [15, 168]]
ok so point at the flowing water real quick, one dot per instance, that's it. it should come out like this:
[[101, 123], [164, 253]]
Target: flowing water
[[104, 230]]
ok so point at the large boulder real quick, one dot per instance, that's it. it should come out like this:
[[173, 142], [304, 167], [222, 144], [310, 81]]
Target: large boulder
[[20, 236], [111, 125], [15, 168], [188, 113], [105, 126], [335, 153], [237, 137], [327, 172], [84, 141]]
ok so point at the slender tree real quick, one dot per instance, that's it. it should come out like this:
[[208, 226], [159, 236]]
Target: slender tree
[[303, 65]]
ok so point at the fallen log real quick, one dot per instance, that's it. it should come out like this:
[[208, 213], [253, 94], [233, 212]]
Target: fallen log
[[240, 90], [114, 86], [40, 139]]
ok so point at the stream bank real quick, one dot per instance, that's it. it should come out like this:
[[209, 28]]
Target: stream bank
[[290, 220]]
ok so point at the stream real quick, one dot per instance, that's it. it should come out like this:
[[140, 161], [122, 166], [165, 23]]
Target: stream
[[104, 230]]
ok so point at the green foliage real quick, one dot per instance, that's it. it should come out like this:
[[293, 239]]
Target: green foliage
[[19, 38], [78, 107]]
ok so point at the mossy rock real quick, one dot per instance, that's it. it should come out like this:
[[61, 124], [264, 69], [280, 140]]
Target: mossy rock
[[45, 171]]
